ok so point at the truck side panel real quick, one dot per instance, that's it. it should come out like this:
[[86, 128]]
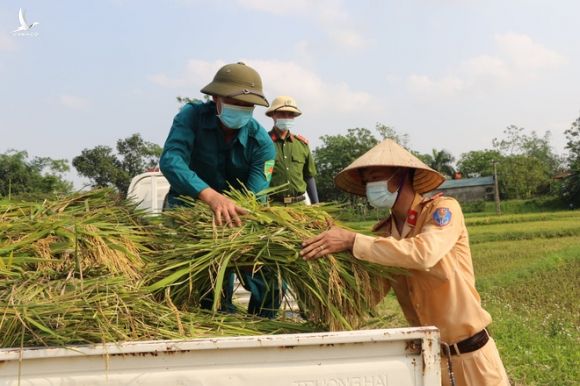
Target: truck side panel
[[398, 357]]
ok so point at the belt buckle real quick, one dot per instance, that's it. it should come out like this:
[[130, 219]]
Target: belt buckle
[[287, 200]]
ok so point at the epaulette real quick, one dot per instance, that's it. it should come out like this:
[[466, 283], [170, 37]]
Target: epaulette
[[433, 197], [301, 139]]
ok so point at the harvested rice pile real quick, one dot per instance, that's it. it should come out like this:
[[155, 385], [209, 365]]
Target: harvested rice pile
[[90, 269]]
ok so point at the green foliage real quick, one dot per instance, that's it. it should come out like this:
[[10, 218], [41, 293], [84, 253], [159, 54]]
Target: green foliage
[[440, 160], [387, 132], [336, 153], [106, 169], [571, 188], [527, 163], [184, 100], [477, 163], [474, 207], [533, 205], [339, 151], [39, 177]]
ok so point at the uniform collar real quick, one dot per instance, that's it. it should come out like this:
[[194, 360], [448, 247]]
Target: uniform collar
[[275, 137], [212, 122], [412, 215], [410, 221]]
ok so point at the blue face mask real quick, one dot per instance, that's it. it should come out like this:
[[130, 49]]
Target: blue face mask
[[379, 196], [285, 123], [234, 116]]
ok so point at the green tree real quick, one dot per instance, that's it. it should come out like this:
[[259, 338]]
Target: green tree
[[440, 160], [387, 132], [105, 168], [527, 163], [184, 100], [36, 178], [478, 163], [336, 153], [571, 188], [339, 151]]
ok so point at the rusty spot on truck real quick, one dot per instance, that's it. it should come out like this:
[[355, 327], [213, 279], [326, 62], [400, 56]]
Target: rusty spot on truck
[[413, 346]]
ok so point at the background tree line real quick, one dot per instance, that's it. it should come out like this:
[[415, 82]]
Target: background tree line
[[526, 164]]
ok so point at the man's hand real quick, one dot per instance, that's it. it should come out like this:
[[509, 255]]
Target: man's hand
[[222, 207], [332, 241]]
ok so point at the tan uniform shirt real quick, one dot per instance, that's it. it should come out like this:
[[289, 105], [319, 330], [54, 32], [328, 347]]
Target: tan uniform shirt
[[434, 247]]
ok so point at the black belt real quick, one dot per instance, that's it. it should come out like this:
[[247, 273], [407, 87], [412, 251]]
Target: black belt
[[289, 199], [471, 344]]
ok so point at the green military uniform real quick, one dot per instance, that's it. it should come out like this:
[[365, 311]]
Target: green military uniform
[[294, 163]]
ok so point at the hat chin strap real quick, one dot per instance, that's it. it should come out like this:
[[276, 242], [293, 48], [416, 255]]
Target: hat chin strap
[[400, 186]]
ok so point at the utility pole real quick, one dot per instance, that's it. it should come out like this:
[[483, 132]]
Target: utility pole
[[496, 193]]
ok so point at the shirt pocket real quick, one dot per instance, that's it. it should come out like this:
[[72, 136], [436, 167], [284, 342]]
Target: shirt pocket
[[298, 158]]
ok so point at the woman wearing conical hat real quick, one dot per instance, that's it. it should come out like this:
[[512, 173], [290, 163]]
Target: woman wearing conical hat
[[428, 237]]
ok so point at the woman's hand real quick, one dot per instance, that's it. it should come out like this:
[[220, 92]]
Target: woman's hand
[[332, 241]]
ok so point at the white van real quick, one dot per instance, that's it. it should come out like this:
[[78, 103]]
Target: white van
[[149, 190]]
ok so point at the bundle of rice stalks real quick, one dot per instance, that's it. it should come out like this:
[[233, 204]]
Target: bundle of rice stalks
[[337, 292], [82, 232], [70, 272], [90, 269], [38, 311]]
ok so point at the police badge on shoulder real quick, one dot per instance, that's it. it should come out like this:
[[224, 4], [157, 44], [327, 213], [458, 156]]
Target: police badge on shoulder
[[442, 216]]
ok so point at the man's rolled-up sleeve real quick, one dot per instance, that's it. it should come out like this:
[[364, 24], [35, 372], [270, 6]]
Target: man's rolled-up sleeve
[[420, 252], [176, 156]]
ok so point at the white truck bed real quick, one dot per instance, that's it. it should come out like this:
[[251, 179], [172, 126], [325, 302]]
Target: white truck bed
[[397, 357]]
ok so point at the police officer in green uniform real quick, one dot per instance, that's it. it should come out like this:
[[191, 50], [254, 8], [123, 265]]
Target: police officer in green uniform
[[294, 162], [214, 145]]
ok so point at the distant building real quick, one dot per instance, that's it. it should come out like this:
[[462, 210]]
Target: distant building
[[469, 189]]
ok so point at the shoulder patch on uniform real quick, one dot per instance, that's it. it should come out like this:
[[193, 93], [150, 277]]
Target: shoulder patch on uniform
[[301, 139], [442, 216], [269, 169]]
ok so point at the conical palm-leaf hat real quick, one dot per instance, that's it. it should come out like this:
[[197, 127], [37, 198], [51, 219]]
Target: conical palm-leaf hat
[[390, 154]]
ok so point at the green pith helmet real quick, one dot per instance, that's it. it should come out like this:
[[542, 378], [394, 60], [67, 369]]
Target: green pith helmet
[[237, 81]]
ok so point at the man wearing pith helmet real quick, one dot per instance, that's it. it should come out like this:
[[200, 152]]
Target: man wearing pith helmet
[[428, 237], [294, 162], [216, 145]]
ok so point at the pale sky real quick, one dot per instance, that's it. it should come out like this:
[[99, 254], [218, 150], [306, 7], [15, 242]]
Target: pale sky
[[450, 73]]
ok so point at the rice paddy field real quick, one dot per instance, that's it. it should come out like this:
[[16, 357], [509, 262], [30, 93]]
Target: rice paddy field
[[527, 269]]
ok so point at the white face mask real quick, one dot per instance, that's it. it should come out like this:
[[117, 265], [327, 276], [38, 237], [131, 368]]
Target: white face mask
[[379, 196], [285, 123]]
